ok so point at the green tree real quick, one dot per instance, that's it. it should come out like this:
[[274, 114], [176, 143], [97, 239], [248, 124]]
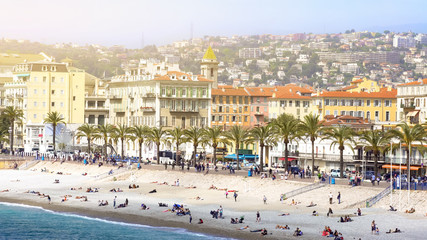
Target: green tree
[[88, 131], [214, 136], [377, 142], [262, 134], [286, 126], [141, 133], [311, 128], [123, 132], [341, 136], [13, 114], [408, 135], [156, 135], [238, 136], [105, 131], [177, 136], [54, 118], [195, 136]]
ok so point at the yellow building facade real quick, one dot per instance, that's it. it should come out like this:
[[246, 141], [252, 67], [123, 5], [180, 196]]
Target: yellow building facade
[[375, 106], [290, 99]]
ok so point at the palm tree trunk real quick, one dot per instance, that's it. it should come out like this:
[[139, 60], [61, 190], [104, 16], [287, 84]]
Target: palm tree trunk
[[408, 164], [54, 136], [11, 140], [123, 149], [341, 161], [238, 159], [158, 153], [195, 153], [106, 154], [312, 157], [376, 163], [88, 145], [261, 158], [286, 156], [140, 152], [214, 154], [177, 156]]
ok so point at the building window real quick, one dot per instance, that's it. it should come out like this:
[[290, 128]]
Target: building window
[[164, 121], [335, 112], [53, 104], [101, 120], [62, 80], [220, 100], [44, 91], [227, 109], [44, 104], [246, 108], [368, 103], [212, 72], [53, 79], [227, 118], [342, 113], [35, 104], [377, 103], [227, 99], [163, 91], [203, 92], [213, 99], [234, 100], [35, 79], [387, 116], [213, 118], [173, 121], [61, 104], [35, 91], [290, 103], [220, 109], [62, 92], [296, 103], [35, 116], [74, 98], [377, 114], [327, 112], [44, 79], [91, 119], [173, 92], [53, 92], [368, 115], [326, 102], [387, 103]]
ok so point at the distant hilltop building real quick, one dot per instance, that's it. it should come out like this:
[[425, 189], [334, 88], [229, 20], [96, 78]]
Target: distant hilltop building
[[403, 41], [369, 57], [250, 53]]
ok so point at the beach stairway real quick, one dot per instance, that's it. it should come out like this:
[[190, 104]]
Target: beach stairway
[[304, 189], [378, 197], [27, 165]]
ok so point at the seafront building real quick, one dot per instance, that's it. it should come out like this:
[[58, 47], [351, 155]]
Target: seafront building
[[411, 99]]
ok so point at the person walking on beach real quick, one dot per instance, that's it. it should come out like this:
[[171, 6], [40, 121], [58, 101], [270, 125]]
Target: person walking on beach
[[330, 197], [48, 198], [191, 218], [339, 198], [265, 199], [235, 196], [126, 202], [114, 202], [373, 227], [226, 194], [258, 217], [221, 211]]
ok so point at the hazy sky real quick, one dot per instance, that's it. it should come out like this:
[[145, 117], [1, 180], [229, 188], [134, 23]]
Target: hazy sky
[[123, 22]]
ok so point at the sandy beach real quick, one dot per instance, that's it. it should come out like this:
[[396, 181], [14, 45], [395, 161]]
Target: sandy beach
[[194, 193]]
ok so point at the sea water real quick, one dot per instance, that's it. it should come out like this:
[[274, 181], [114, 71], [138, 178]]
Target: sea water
[[27, 222]]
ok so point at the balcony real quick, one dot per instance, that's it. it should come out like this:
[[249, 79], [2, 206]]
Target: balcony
[[409, 105], [259, 114], [147, 109], [184, 110], [149, 95], [115, 97]]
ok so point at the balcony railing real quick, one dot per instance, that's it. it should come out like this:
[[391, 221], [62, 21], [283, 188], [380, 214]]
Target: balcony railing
[[147, 109], [184, 110]]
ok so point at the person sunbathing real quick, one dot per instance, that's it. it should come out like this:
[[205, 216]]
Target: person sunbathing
[[163, 205], [312, 205], [190, 187], [163, 183], [264, 232], [5, 190], [153, 191], [298, 232], [284, 214], [392, 209], [144, 207], [64, 199], [412, 210], [112, 190], [212, 187], [315, 213], [200, 221], [243, 228], [286, 227]]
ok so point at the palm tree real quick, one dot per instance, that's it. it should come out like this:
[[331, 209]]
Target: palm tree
[[177, 136], [341, 136], [262, 134], [311, 127], [104, 131], [123, 132], [286, 126], [214, 135], [194, 135], [88, 131], [376, 141], [54, 118], [13, 114], [409, 135], [238, 135], [156, 135], [141, 133]]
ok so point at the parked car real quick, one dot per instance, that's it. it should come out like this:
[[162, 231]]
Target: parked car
[[336, 173]]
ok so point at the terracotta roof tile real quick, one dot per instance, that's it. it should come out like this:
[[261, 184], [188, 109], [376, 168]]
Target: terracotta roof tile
[[229, 92], [424, 81]]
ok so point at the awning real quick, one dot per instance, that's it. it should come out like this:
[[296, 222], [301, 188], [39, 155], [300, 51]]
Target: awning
[[23, 75], [414, 168], [289, 159], [412, 113], [242, 156]]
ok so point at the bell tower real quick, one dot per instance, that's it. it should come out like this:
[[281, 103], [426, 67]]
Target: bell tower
[[209, 67]]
